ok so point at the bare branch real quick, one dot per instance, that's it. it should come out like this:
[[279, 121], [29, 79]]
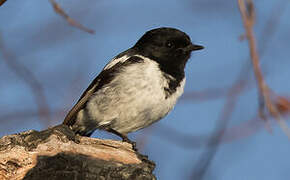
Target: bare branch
[[202, 165], [71, 21], [264, 90], [27, 76], [2, 2]]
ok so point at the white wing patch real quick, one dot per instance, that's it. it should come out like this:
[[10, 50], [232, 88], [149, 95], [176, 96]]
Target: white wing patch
[[115, 61]]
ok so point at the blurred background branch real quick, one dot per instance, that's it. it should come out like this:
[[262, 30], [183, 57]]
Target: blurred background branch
[[2, 2], [71, 21], [28, 78], [264, 91]]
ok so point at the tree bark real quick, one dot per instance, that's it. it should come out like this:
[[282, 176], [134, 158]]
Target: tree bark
[[58, 154]]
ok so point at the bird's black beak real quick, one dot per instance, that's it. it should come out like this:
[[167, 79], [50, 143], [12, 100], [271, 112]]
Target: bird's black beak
[[195, 47], [192, 47]]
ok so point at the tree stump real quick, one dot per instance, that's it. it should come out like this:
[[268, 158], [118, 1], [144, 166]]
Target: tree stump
[[58, 154]]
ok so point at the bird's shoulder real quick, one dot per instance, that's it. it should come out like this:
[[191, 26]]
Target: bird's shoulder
[[108, 73], [111, 70]]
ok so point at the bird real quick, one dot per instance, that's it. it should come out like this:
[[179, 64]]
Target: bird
[[136, 88]]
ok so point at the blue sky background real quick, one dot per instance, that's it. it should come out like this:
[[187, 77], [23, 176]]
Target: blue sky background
[[65, 60]]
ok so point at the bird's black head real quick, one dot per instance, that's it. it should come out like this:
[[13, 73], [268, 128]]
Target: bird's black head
[[170, 47]]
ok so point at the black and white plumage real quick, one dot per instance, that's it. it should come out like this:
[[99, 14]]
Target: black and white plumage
[[136, 88]]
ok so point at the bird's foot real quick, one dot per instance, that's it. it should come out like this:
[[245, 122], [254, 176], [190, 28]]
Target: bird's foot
[[134, 145], [142, 157], [124, 137]]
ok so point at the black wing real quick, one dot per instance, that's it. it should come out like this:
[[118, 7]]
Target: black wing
[[105, 77]]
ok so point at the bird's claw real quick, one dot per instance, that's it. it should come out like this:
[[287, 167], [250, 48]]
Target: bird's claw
[[134, 145]]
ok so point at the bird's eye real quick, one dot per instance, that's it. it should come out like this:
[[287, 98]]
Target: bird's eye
[[170, 44]]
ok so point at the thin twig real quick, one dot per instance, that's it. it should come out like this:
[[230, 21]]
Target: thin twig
[[27, 76], [206, 158], [71, 21], [2, 2], [264, 91], [253, 50]]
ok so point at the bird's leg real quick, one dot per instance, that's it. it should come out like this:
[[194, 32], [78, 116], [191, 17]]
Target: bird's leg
[[124, 138]]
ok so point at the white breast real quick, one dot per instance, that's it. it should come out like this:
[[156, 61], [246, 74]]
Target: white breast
[[135, 98]]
